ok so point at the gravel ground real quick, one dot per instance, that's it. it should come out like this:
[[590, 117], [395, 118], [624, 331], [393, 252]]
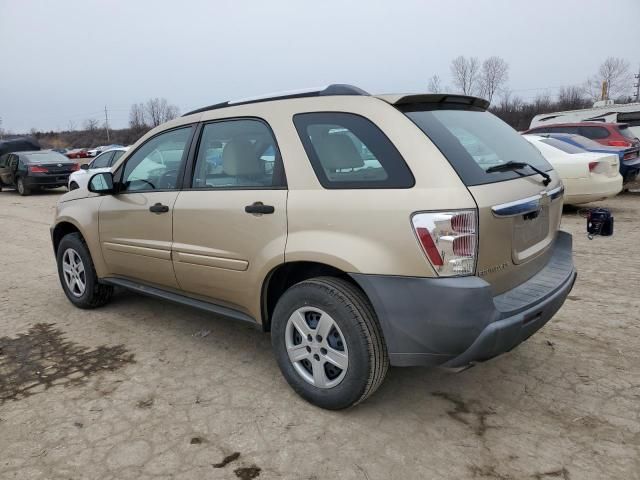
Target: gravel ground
[[144, 389]]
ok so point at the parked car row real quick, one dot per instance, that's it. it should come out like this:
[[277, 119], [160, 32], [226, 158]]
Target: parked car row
[[594, 160]]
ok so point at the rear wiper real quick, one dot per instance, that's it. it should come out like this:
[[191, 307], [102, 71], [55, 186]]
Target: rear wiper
[[518, 166]]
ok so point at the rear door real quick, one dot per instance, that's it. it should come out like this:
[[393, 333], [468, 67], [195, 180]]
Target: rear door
[[136, 224], [518, 215], [230, 221]]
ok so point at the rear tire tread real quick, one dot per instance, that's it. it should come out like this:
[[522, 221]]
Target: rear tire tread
[[350, 296]]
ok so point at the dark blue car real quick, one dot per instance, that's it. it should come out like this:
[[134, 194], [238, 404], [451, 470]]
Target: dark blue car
[[629, 156]]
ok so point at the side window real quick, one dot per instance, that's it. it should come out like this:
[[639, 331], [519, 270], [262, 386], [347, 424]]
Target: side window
[[4, 160], [235, 154], [102, 160], [594, 132], [349, 151], [156, 164], [13, 161], [116, 155]]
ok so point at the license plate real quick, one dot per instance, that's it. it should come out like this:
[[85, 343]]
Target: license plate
[[529, 230]]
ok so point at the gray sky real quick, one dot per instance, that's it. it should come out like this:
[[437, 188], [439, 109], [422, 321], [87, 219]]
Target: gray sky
[[63, 61]]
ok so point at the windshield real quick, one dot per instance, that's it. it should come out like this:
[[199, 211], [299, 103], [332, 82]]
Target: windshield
[[474, 141]]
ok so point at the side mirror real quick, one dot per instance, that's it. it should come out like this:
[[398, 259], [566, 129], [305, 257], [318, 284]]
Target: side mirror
[[84, 166], [101, 183]]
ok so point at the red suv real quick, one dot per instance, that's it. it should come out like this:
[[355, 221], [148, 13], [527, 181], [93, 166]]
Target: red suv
[[611, 134]]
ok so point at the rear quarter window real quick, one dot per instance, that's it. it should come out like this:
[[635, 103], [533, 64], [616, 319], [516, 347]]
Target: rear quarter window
[[349, 151]]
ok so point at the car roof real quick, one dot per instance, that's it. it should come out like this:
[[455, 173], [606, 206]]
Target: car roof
[[341, 89], [578, 124]]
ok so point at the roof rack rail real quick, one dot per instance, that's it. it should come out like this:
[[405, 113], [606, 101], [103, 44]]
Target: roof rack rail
[[333, 89]]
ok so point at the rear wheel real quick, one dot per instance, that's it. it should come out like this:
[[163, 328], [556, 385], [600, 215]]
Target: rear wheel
[[328, 342], [22, 188], [78, 276]]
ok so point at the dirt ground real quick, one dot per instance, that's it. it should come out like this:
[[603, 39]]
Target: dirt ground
[[143, 389]]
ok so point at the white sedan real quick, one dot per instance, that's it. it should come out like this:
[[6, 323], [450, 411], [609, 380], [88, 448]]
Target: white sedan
[[102, 163], [587, 176]]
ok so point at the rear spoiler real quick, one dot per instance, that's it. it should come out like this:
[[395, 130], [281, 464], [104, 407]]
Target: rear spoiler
[[436, 101]]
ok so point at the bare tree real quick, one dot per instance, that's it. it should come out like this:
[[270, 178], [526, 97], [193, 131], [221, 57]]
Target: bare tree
[[494, 75], [91, 124], [137, 120], [572, 98], [71, 126], [158, 111], [465, 74], [616, 73], [435, 84]]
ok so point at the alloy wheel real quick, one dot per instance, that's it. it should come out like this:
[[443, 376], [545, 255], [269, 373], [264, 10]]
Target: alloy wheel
[[74, 273]]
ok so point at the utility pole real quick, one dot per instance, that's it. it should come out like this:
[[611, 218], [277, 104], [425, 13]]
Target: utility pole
[[106, 122], [637, 85]]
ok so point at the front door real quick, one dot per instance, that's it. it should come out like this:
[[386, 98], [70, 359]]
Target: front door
[[136, 224], [230, 222]]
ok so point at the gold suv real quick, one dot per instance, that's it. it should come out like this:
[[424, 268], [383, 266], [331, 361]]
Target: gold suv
[[362, 231]]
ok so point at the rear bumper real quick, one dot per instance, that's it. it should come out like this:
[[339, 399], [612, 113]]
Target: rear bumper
[[45, 180], [455, 322], [591, 189]]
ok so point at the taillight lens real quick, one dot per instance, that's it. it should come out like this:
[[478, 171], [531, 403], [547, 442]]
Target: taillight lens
[[592, 166], [630, 155], [619, 143], [37, 169], [75, 167], [449, 240]]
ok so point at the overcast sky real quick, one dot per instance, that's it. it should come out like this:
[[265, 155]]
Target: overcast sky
[[63, 61]]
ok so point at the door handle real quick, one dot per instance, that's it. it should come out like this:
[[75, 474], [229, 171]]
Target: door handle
[[159, 208], [259, 208]]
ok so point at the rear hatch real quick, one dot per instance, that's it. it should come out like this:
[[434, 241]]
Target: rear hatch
[[519, 210]]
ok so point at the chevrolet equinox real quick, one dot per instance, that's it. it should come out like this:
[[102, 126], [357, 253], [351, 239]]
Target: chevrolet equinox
[[361, 231]]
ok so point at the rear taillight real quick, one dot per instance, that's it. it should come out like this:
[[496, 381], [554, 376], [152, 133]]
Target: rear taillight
[[630, 155], [592, 166], [75, 167], [449, 240], [619, 143], [37, 169]]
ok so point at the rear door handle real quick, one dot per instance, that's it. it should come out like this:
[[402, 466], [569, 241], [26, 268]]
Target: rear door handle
[[259, 208], [159, 208]]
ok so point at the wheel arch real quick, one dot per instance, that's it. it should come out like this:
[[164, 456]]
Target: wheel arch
[[287, 274]]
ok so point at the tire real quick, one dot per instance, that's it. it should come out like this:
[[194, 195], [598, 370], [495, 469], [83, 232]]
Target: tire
[[73, 186], [22, 188], [94, 294], [354, 321]]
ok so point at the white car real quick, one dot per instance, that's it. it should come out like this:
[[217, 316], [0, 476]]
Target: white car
[[587, 176], [102, 163]]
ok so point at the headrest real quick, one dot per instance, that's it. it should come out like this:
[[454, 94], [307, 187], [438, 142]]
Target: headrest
[[337, 151], [239, 158]]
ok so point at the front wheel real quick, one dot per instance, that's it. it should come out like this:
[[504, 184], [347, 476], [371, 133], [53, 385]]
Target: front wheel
[[22, 188], [78, 275], [328, 342], [73, 186]]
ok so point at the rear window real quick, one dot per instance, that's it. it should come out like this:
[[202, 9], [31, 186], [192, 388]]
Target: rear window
[[564, 146], [349, 151], [44, 157], [595, 133], [626, 133], [474, 140], [587, 143]]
